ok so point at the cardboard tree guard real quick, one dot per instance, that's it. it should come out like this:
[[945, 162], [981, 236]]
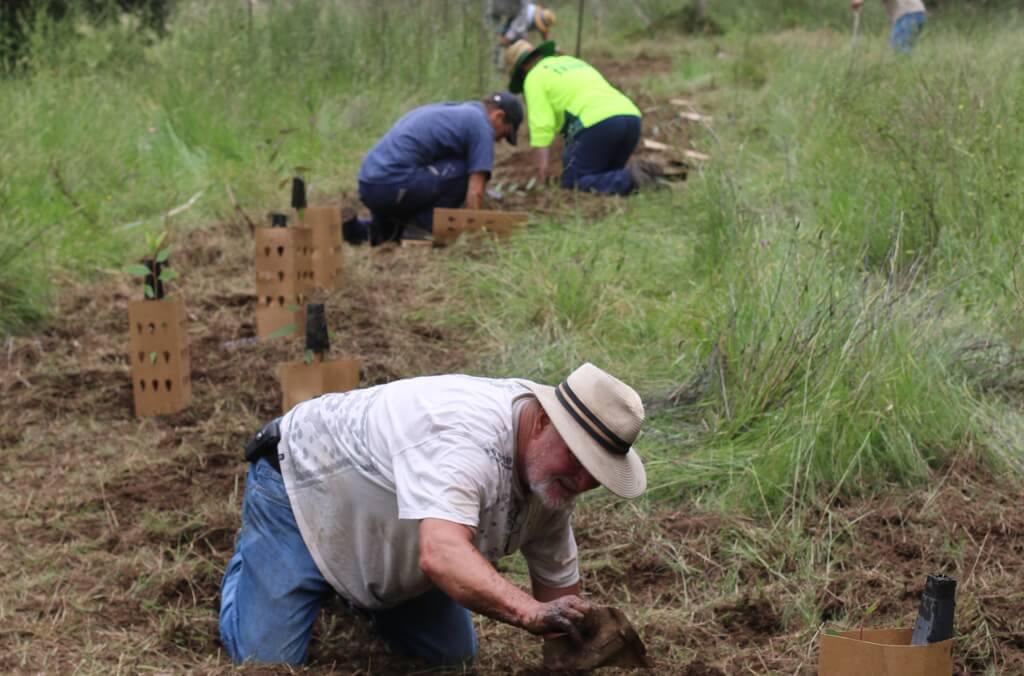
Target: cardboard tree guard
[[284, 278], [882, 652], [325, 223], [301, 381], [159, 356], [450, 223]]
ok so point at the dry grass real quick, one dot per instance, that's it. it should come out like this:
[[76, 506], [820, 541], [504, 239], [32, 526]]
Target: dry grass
[[117, 529]]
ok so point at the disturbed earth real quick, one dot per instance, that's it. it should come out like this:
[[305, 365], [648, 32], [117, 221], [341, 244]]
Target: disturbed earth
[[117, 529]]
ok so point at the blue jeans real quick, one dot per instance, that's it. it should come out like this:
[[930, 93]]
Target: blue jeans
[[272, 592], [905, 31], [440, 184], [595, 160]]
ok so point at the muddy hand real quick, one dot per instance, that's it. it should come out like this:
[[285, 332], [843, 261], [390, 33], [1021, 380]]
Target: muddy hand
[[561, 616]]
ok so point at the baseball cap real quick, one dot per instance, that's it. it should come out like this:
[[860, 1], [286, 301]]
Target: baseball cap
[[509, 104]]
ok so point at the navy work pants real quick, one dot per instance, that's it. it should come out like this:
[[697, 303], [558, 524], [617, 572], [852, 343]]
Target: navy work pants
[[440, 184], [595, 160]]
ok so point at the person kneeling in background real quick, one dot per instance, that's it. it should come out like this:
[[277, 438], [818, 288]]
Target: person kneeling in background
[[600, 124], [438, 155], [512, 20]]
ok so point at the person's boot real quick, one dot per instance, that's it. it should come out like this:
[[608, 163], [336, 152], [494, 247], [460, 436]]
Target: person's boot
[[353, 230], [645, 173]]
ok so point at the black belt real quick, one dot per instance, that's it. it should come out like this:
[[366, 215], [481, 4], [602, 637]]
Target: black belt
[[264, 444]]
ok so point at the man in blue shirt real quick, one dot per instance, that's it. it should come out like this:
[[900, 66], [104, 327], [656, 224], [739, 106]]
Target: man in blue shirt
[[438, 155]]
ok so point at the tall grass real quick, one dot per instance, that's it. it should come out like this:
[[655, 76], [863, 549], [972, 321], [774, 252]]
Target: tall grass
[[111, 129], [799, 318]]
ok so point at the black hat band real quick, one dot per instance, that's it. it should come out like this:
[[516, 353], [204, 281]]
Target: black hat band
[[597, 430]]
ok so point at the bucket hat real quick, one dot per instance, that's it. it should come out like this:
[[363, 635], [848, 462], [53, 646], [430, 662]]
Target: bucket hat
[[544, 19], [599, 418], [517, 54]]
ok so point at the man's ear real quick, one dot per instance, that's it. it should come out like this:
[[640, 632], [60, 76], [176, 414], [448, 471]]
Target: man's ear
[[542, 421]]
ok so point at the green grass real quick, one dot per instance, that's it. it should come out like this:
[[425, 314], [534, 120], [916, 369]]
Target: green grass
[[110, 131], [833, 305], [799, 317]]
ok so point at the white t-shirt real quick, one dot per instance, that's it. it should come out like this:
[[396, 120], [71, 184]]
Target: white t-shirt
[[362, 468]]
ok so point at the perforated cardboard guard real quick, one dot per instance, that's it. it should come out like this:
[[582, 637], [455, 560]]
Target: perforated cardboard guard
[[882, 652], [284, 278], [450, 223], [325, 222], [301, 381], [159, 355]]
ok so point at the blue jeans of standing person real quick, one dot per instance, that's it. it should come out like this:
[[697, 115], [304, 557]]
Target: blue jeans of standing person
[[272, 592], [595, 159], [905, 31], [392, 205]]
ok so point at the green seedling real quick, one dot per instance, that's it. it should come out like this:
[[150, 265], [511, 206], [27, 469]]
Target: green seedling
[[151, 270], [286, 330]]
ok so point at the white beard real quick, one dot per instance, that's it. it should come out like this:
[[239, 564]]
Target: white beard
[[542, 489]]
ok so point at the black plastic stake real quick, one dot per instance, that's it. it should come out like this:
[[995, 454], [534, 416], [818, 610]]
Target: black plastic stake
[[298, 194], [935, 617], [317, 339], [278, 221]]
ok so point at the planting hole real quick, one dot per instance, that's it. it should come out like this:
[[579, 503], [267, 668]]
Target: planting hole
[[266, 251], [280, 251], [142, 385], [139, 326], [152, 328], [163, 326], [280, 275], [280, 301], [156, 385], [167, 384], [167, 357], [142, 357]]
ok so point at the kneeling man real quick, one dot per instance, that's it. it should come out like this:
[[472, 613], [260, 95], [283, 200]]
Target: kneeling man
[[402, 497], [438, 155]]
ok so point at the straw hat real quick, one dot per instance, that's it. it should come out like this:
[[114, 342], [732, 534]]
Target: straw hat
[[599, 417], [517, 54], [544, 19]]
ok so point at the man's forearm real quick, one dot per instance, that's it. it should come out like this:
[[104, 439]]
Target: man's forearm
[[459, 570], [543, 156], [544, 593], [475, 190]]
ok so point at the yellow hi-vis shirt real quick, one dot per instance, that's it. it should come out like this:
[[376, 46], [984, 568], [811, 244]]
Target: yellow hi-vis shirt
[[565, 95]]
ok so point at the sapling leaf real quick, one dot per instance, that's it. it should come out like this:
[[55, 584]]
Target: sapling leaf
[[293, 308], [168, 275], [286, 330], [163, 255], [138, 269], [832, 632], [308, 357], [150, 293], [152, 357], [529, 184]]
